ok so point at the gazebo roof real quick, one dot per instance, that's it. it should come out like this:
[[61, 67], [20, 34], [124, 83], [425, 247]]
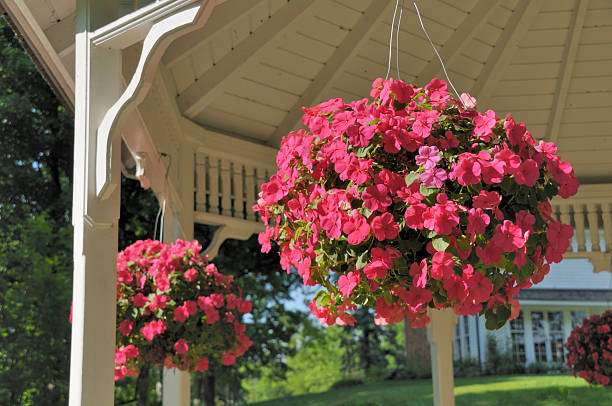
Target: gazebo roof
[[251, 68]]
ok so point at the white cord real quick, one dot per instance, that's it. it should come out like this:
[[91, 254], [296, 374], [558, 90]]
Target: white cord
[[436, 51], [391, 40], [397, 48]]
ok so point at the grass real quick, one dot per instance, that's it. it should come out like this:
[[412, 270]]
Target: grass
[[538, 390]]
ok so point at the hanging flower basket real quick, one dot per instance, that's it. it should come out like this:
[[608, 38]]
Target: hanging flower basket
[[412, 201], [589, 350], [175, 309]]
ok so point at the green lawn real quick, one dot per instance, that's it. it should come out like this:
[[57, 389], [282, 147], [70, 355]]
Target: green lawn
[[556, 390]]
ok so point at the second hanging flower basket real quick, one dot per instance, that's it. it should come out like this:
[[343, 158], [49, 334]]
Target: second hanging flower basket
[[175, 309], [415, 200]]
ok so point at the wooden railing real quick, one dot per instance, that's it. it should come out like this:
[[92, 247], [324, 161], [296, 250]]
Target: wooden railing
[[590, 213]]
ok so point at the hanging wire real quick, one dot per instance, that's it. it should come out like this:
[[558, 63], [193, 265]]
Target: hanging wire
[[436, 51], [162, 208], [391, 40], [399, 23]]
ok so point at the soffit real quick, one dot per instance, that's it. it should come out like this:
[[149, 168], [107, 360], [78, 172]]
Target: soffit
[[546, 61]]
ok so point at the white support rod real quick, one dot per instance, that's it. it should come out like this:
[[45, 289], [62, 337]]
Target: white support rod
[[440, 337], [98, 84]]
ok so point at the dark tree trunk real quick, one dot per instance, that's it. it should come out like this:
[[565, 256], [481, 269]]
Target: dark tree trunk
[[142, 386], [209, 390]]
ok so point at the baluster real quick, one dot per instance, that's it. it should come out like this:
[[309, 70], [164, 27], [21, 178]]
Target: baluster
[[238, 176], [579, 220], [566, 218], [226, 188], [200, 182], [593, 217], [213, 186], [606, 214], [250, 194]]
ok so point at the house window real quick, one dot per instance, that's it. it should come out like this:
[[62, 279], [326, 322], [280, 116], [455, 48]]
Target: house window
[[555, 336], [547, 336], [577, 318], [517, 332], [539, 336], [466, 337], [461, 342]]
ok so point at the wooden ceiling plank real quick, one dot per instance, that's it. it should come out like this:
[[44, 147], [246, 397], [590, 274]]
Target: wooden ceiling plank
[[203, 91], [477, 17], [223, 17], [515, 28], [567, 67], [334, 67]]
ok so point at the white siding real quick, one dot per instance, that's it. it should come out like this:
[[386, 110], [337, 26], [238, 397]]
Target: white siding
[[575, 274]]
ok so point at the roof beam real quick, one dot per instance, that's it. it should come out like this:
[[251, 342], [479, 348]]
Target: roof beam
[[224, 16], [475, 19], [203, 91], [334, 66], [61, 34], [518, 24], [567, 67]]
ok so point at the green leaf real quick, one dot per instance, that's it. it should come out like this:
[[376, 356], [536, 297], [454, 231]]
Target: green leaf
[[427, 191], [411, 177], [440, 243], [362, 260]]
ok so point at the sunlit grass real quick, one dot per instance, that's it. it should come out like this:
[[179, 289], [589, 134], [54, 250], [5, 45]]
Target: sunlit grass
[[553, 390]]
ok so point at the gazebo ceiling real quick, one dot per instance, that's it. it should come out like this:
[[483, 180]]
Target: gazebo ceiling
[[249, 70]]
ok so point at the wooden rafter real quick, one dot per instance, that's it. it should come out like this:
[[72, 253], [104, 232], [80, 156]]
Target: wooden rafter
[[567, 67], [333, 67], [224, 16], [477, 17], [203, 91], [518, 24]]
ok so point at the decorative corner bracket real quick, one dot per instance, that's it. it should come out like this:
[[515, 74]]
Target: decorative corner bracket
[[159, 37]]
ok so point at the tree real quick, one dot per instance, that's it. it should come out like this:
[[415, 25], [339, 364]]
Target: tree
[[270, 325], [367, 346], [35, 244]]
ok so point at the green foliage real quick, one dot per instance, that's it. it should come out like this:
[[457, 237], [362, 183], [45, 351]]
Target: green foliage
[[368, 347], [408, 371], [346, 383], [501, 362], [270, 326], [556, 390], [466, 368]]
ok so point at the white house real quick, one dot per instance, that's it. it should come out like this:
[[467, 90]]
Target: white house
[[215, 84], [549, 311]]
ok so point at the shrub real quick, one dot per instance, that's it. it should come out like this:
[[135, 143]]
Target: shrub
[[406, 372], [501, 362], [347, 383], [590, 350], [466, 367]]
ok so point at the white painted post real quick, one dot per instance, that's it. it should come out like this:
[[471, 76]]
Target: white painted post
[[440, 337], [97, 86], [177, 384]]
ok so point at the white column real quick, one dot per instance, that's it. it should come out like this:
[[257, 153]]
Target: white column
[[97, 86], [529, 347], [177, 384], [440, 337]]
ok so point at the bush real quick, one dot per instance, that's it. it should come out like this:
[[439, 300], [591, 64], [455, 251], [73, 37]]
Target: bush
[[467, 367], [501, 363], [537, 368], [406, 372], [347, 383]]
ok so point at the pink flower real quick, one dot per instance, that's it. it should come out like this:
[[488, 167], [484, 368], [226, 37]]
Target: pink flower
[[357, 228], [384, 227], [477, 221], [244, 306], [419, 274], [376, 197], [125, 327], [467, 170], [376, 269], [348, 282], [414, 216], [528, 173], [228, 359], [433, 178], [140, 300], [190, 274], [484, 124], [181, 346], [487, 200], [508, 236], [442, 265], [559, 237], [428, 157], [436, 89], [181, 313], [202, 365]]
